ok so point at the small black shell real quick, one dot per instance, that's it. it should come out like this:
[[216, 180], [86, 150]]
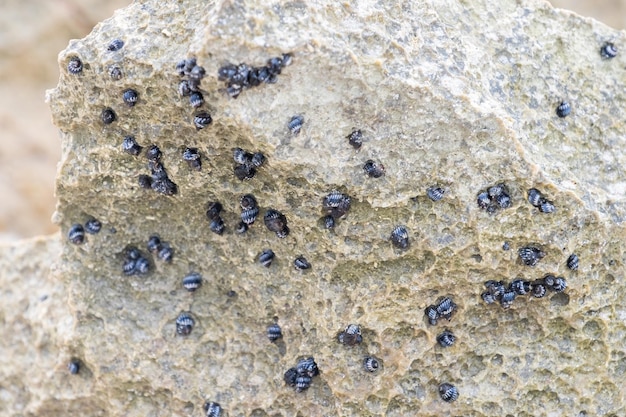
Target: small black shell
[[559, 284], [483, 200], [355, 138], [520, 286], [130, 97], [301, 263], [192, 281], [274, 332], [549, 280], [142, 266], [371, 364], [276, 222], [153, 153], [546, 206], [130, 146], [165, 186], [446, 338], [115, 45], [446, 307], [608, 50], [572, 262], [184, 89], [260, 75], [76, 234], [295, 124], [184, 324], [503, 200], [507, 298], [129, 267], [75, 65], [281, 234], [374, 169], [488, 297], [400, 237], [226, 72], [448, 392], [336, 204], [332, 200], [290, 376], [329, 221], [275, 65], [494, 198], [196, 99], [214, 209], [287, 59], [212, 409], [266, 257], [115, 73], [93, 226], [249, 216], [197, 73], [202, 120], [530, 255], [234, 90], [244, 172], [184, 66], [353, 329], [432, 314], [133, 253], [538, 288], [534, 197], [144, 181], [217, 225], [307, 366], [166, 253], [435, 193], [242, 157], [108, 116], [192, 156], [495, 288], [563, 109], [154, 244], [73, 366], [257, 159], [303, 382], [241, 228], [496, 190]]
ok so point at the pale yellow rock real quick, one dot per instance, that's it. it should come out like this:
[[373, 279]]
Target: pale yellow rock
[[459, 95]]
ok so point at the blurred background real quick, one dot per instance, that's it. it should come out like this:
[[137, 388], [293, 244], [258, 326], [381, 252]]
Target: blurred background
[[32, 33]]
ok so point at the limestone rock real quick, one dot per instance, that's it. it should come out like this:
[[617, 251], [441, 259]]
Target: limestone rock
[[457, 96]]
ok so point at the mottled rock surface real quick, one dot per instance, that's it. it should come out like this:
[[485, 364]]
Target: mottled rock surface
[[448, 95]]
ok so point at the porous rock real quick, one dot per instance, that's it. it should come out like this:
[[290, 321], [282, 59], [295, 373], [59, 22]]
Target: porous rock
[[460, 95]]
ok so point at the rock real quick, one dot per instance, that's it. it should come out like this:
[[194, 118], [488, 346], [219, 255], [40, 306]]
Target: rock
[[455, 96]]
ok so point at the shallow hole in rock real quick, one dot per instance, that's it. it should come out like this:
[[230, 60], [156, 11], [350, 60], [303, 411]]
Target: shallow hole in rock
[[560, 299]]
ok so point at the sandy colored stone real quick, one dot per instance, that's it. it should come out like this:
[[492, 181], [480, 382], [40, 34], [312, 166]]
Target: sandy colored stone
[[445, 94], [32, 34]]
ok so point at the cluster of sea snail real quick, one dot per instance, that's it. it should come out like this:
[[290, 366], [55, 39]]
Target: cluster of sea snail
[[335, 205]]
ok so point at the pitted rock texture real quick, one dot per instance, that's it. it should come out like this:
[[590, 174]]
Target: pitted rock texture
[[451, 95]]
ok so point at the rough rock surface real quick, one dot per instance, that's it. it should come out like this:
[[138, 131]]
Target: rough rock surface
[[446, 94]]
